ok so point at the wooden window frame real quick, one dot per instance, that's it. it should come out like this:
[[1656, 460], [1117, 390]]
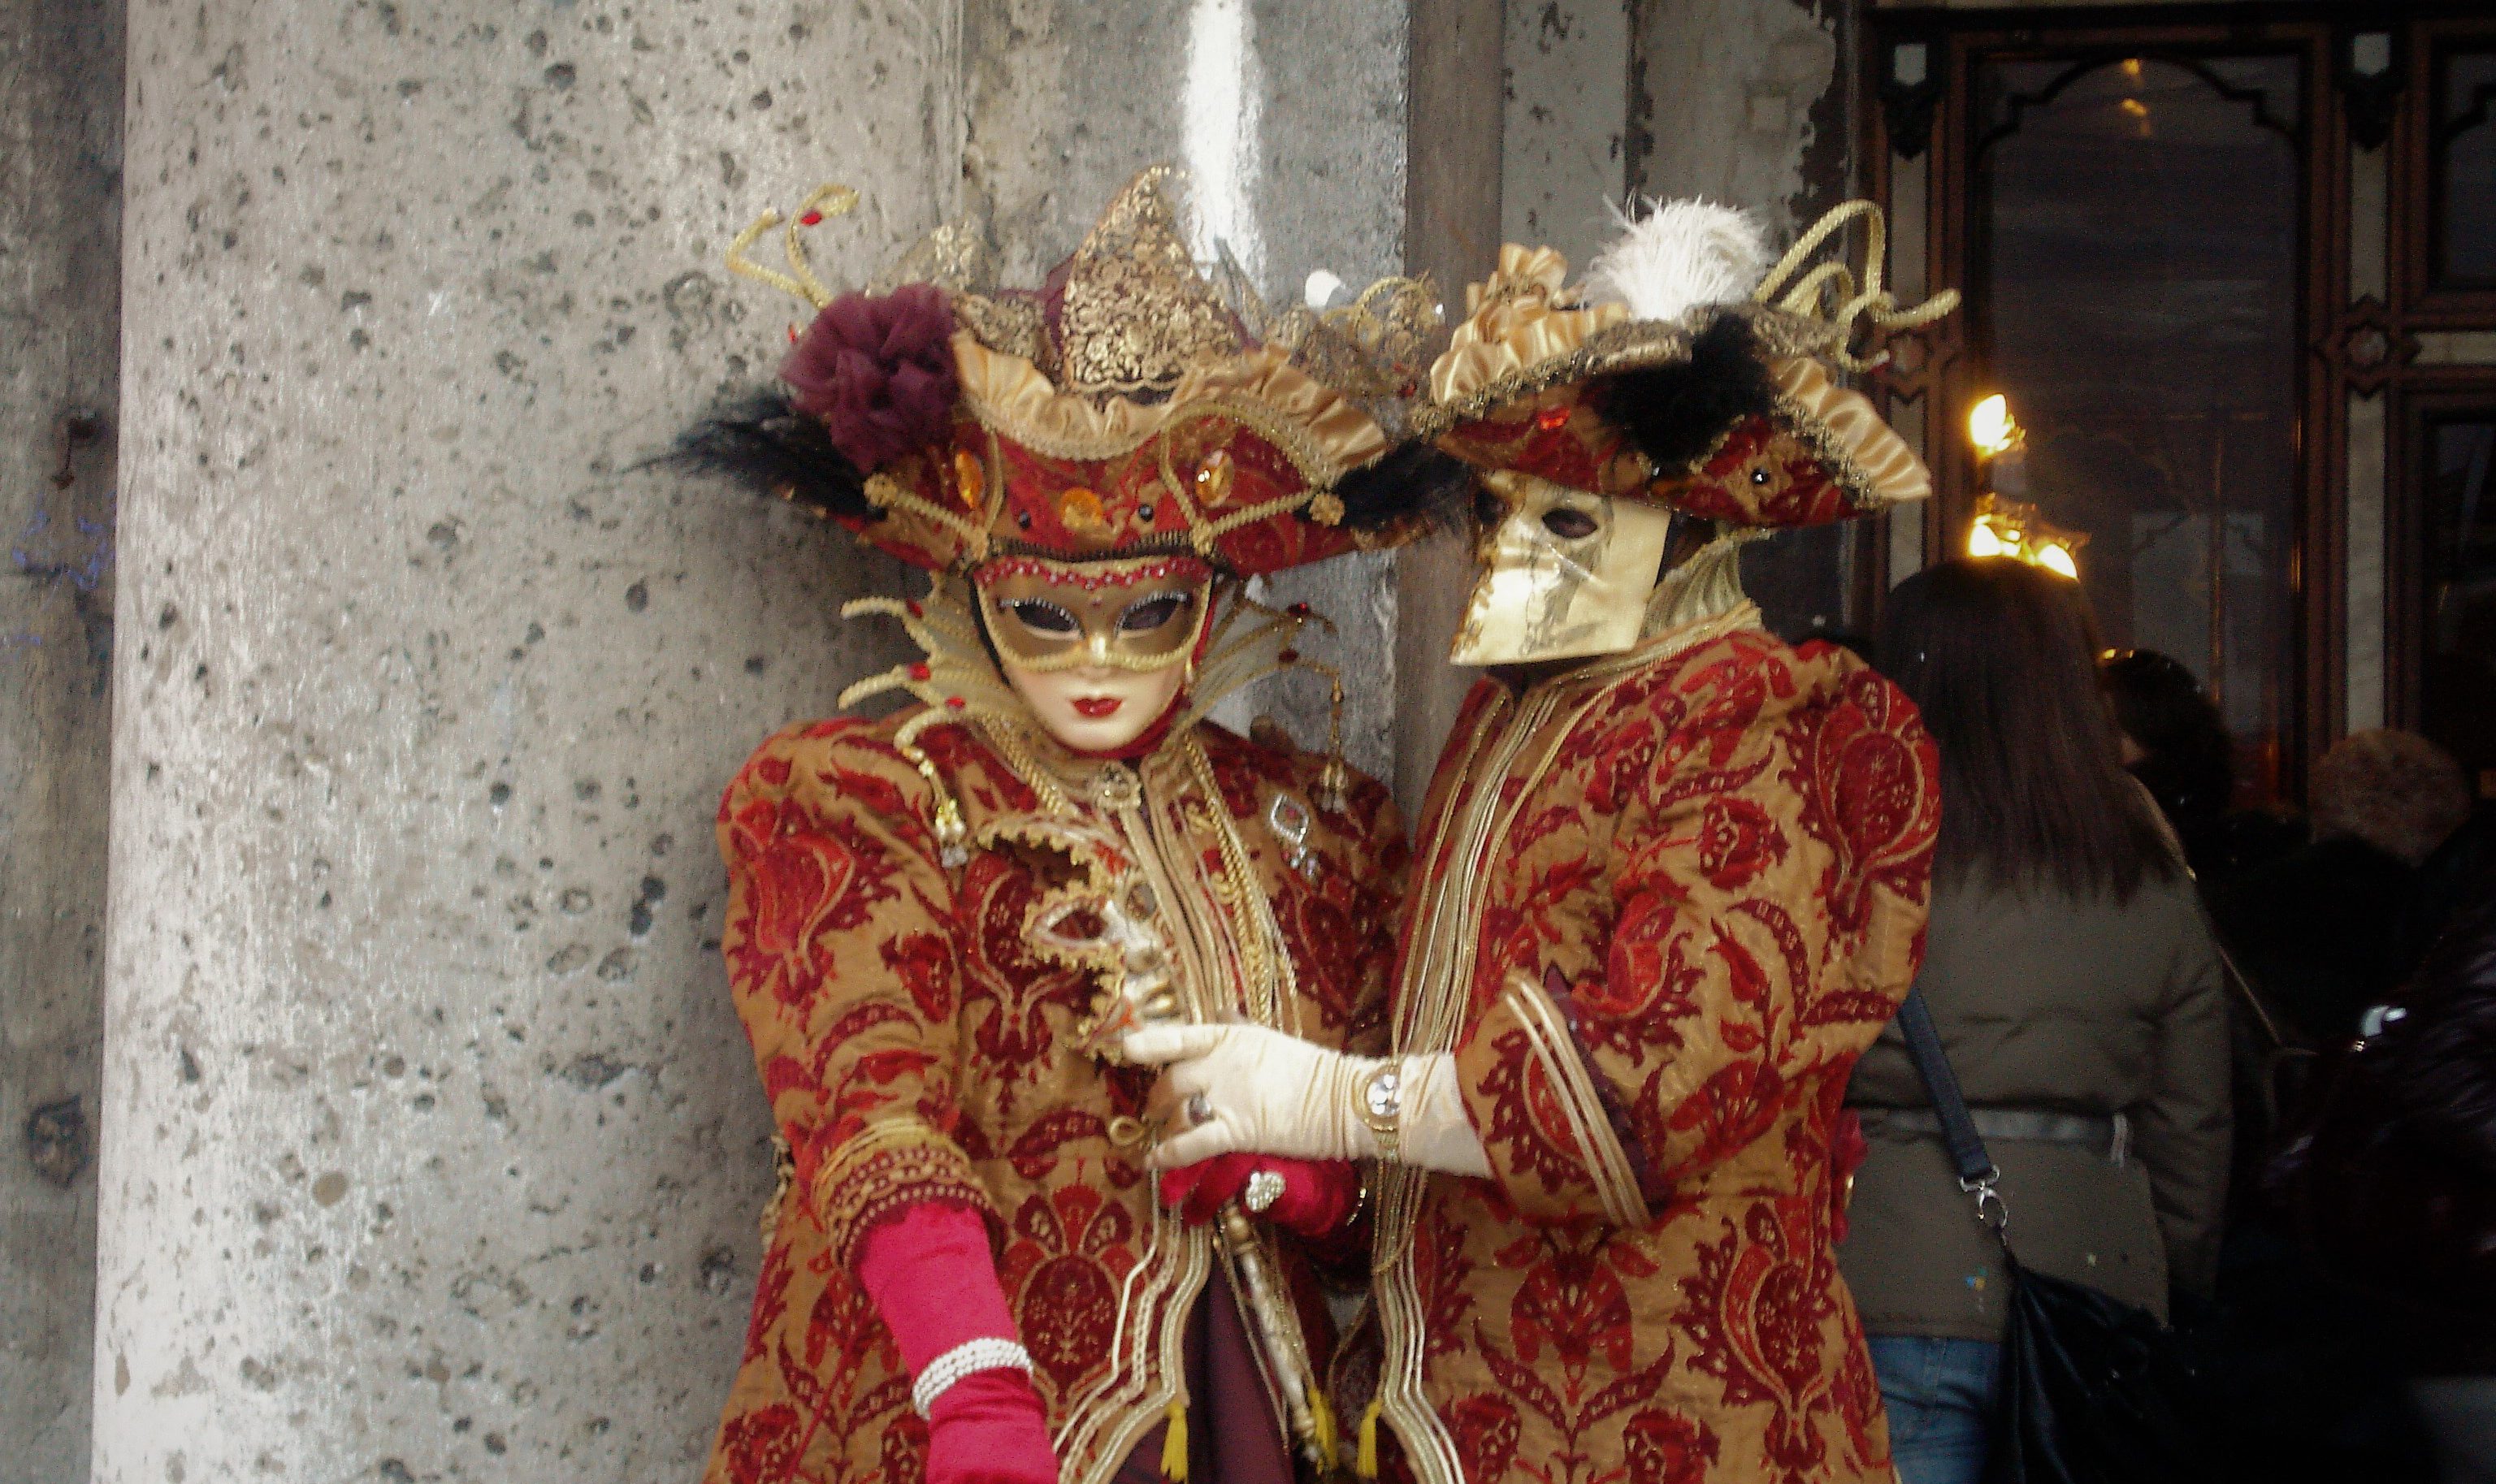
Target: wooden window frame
[[2366, 348], [1951, 378]]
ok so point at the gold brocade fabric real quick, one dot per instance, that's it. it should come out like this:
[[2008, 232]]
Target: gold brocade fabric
[[1663, 901], [914, 1047], [1137, 314]]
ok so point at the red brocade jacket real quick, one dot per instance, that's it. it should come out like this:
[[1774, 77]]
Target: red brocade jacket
[[1664, 899], [915, 1048]]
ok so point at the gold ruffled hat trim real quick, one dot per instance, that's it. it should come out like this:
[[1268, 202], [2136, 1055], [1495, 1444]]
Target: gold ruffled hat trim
[[1322, 433], [1881, 470], [1523, 316]]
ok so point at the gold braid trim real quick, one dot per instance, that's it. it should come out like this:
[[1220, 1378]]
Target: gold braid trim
[[1004, 734], [960, 685], [1237, 888], [1809, 294], [800, 282], [1206, 535], [886, 493], [1620, 347], [894, 1164]]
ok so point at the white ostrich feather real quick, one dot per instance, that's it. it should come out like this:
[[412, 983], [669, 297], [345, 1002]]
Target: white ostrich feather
[[1681, 254]]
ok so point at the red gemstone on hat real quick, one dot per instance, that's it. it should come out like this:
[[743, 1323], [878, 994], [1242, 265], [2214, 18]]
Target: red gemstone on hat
[[955, 701], [914, 609], [918, 672], [1289, 656], [1551, 419], [811, 218], [1299, 610]]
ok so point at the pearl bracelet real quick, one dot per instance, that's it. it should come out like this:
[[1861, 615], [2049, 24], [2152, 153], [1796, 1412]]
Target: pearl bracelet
[[989, 1353]]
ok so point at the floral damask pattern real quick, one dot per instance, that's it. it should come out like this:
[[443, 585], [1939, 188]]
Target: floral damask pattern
[[1711, 898], [912, 1049]]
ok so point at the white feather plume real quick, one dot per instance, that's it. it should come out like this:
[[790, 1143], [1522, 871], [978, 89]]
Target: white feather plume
[[1681, 254]]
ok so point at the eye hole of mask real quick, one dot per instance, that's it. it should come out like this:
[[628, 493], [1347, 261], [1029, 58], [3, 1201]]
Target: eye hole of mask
[[1042, 617], [1153, 612], [1488, 508], [1567, 524]]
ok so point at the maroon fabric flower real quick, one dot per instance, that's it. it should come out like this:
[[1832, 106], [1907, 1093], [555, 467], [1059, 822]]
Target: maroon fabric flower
[[877, 370]]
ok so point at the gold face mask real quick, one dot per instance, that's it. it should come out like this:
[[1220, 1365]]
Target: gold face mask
[[1564, 574], [1138, 615]]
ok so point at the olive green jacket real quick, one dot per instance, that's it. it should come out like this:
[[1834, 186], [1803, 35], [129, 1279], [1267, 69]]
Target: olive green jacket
[[2061, 1005]]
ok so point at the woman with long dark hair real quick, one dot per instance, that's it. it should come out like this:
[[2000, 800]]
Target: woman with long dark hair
[[2077, 995]]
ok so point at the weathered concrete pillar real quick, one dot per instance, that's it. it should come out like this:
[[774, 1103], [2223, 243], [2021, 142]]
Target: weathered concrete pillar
[[60, 351], [432, 1151], [431, 1148]]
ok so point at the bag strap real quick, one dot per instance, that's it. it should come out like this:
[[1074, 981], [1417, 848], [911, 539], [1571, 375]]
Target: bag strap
[[1978, 1174]]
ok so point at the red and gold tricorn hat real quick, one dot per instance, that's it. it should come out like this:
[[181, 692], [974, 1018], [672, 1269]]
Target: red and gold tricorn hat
[[1685, 371], [1125, 408]]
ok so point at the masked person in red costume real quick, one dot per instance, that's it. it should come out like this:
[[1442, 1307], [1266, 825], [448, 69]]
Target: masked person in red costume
[[1670, 882], [940, 922]]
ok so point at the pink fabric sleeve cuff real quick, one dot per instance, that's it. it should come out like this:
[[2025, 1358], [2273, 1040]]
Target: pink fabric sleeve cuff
[[932, 1278]]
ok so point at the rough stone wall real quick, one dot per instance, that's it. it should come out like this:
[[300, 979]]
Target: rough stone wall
[[1740, 101], [1290, 119], [432, 1150], [60, 218], [1564, 151]]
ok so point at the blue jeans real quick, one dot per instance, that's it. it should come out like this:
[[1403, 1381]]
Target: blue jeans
[[1939, 1394]]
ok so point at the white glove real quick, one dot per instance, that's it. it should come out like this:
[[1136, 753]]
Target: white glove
[[1266, 1093]]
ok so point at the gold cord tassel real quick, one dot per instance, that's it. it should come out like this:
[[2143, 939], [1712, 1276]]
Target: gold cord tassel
[[1322, 1418], [1174, 1445], [1366, 1465]]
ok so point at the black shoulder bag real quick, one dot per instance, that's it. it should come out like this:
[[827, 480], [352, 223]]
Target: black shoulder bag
[[2093, 1390]]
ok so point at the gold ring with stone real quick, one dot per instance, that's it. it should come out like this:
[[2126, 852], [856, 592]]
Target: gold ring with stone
[[1263, 1189]]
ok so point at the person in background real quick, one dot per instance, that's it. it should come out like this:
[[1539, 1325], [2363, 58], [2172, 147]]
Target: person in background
[[2446, 1076], [2336, 926], [2077, 995], [2176, 743]]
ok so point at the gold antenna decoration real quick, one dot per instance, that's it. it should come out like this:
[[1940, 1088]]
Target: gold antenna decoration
[[1809, 294], [800, 282]]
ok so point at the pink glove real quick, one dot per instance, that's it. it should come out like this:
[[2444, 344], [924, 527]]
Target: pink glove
[[1318, 1196], [931, 1278]]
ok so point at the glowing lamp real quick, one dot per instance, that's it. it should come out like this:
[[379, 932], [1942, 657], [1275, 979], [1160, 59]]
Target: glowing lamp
[[1991, 427], [2007, 528]]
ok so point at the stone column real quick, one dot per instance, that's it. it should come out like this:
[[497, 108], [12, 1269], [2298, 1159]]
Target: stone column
[[60, 271], [432, 1150]]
